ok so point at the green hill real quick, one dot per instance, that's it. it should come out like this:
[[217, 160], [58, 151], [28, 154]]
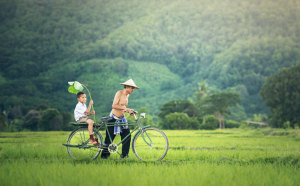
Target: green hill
[[167, 47]]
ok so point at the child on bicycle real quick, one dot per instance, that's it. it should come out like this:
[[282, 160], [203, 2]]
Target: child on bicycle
[[82, 112]]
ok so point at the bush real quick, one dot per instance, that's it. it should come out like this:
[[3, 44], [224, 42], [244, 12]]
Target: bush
[[194, 123], [51, 119], [232, 124], [210, 122], [287, 125], [16, 124], [67, 118], [179, 120]]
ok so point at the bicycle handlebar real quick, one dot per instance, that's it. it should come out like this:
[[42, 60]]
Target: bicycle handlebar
[[134, 114]]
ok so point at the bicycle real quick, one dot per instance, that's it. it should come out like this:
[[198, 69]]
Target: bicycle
[[148, 144]]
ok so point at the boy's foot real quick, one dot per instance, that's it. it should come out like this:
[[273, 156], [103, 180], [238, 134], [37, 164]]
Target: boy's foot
[[93, 142]]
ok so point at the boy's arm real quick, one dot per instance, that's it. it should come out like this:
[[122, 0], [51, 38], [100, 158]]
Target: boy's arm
[[90, 113], [89, 108]]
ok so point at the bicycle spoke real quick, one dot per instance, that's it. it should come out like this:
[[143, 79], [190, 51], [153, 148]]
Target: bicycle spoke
[[83, 136], [83, 148]]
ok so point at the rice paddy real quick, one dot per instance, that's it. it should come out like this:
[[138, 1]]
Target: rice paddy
[[195, 157]]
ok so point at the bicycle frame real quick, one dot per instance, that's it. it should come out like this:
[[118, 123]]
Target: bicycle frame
[[138, 128], [105, 125], [143, 133]]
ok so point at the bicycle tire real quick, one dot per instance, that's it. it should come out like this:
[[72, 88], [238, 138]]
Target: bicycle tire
[[150, 144], [80, 147]]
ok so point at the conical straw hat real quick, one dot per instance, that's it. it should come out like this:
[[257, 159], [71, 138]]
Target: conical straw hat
[[129, 82]]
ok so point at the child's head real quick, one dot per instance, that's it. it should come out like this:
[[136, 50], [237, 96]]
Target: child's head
[[81, 97]]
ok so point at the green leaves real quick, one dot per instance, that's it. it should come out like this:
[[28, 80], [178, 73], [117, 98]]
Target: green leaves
[[75, 87], [281, 93]]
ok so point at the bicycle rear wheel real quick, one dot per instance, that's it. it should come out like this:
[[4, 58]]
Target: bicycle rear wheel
[[79, 146], [150, 144]]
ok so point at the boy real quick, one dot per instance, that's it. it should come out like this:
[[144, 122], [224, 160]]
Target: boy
[[81, 114]]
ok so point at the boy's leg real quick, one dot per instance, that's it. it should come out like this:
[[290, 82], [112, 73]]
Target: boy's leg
[[90, 129]]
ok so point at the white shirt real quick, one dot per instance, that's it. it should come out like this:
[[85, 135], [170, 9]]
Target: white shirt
[[79, 111]]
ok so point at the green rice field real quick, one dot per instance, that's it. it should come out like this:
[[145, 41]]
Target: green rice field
[[195, 157]]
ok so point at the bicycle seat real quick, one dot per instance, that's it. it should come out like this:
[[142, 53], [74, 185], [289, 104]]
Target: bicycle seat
[[78, 124], [106, 119]]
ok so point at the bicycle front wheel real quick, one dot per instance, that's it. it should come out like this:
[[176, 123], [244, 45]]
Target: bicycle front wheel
[[150, 144], [79, 146]]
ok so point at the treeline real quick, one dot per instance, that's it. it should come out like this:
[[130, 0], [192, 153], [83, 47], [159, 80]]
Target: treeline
[[205, 111], [280, 92], [41, 118], [230, 45]]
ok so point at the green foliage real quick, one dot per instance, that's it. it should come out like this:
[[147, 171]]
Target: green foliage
[[149, 119], [209, 109], [201, 92], [31, 120], [168, 85], [218, 103], [3, 123], [281, 92], [232, 124], [75, 87], [287, 125], [67, 118], [51, 119], [178, 120], [260, 117], [210, 122], [184, 106], [167, 46], [43, 118], [16, 125]]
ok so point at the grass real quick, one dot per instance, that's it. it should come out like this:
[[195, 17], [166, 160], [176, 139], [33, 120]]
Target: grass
[[199, 157]]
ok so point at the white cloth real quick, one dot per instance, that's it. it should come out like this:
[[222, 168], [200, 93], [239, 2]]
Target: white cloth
[[79, 111]]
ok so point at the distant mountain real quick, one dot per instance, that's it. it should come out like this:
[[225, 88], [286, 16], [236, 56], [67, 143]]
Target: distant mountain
[[167, 47]]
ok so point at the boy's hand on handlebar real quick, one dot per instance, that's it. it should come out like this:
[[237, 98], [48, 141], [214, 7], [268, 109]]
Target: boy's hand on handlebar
[[91, 102], [93, 112]]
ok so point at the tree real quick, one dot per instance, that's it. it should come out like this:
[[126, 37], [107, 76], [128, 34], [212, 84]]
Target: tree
[[177, 120], [31, 120], [51, 119], [218, 104], [281, 93], [184, 106], [200, 94]]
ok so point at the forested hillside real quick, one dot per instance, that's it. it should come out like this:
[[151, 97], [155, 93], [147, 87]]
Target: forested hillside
[[167, 47]]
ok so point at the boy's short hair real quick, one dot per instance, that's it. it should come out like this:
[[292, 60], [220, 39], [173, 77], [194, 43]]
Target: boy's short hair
[[79, 94]]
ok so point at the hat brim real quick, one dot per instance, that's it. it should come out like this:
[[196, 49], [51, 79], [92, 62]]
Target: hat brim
[[130, 85]]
